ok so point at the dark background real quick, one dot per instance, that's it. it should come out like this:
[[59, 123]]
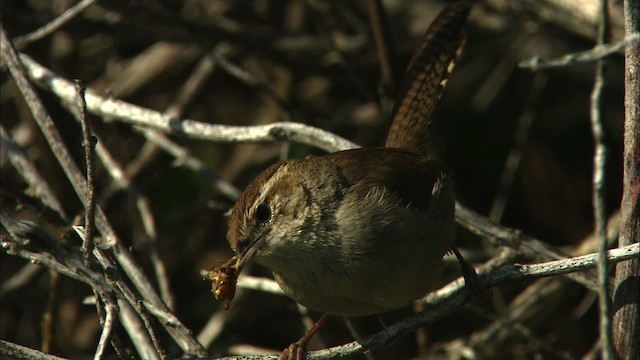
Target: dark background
[[313, 62]]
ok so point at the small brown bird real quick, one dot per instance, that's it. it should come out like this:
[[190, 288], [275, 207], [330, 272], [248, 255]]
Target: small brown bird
[[345, 233], [363, 231]]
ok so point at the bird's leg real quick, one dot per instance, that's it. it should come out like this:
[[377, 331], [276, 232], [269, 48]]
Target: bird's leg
[[298, 350], [471, 280]]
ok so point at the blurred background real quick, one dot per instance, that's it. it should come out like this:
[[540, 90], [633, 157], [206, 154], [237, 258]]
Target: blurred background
[[314, 62]]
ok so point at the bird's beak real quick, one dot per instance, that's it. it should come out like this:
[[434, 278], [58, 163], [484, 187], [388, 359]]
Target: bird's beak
[[248, 252]]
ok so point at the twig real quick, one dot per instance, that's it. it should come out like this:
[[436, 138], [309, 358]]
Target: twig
[[20, 279], [597, 53], [515, 154], [626, 298], [319, 18], [109, 318], [212, 329], [599, 189], [49, 318], [139, 335], [499, 75], [90, 203], [84, 189], [183, 157], [51, 27], [506, 324], [220, 53], [192, 85], [260, 284], [136, 115], [384, 49], [594, 352], [30, 173], [188, 91], [523, 244], [349, 324], [157, 140]]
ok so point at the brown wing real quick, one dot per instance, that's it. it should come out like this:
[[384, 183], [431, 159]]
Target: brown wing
[[404, 172], [426, 76]]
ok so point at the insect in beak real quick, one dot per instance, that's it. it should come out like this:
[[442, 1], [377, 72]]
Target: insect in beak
[[225, 277]]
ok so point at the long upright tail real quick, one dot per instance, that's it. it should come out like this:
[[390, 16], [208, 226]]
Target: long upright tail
[[426, 77]]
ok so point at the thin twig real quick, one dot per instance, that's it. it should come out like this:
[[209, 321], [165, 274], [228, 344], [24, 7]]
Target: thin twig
[[110, 311], [139, 334], [385, 51], [321, 23], [183, 157], [52, 26], [597, 53], [220, 54], [524, 244], [515, 154], [594, 352], [260, 284], [196, 80], [30, 173], [50, 318], [599, 189], [90, 203], [212, 329], [20, 279]]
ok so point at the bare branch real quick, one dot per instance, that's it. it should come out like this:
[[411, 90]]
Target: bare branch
[[136, 115], [89, 149], [51, 27], [30, 173], [524, 244], [111, 311], [385, 50], [597, 53]]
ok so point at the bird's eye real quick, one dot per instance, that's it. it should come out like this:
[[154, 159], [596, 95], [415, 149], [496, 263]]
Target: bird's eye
[[263, 212]]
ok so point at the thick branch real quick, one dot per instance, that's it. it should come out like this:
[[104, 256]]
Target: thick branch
[[626, 295]]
